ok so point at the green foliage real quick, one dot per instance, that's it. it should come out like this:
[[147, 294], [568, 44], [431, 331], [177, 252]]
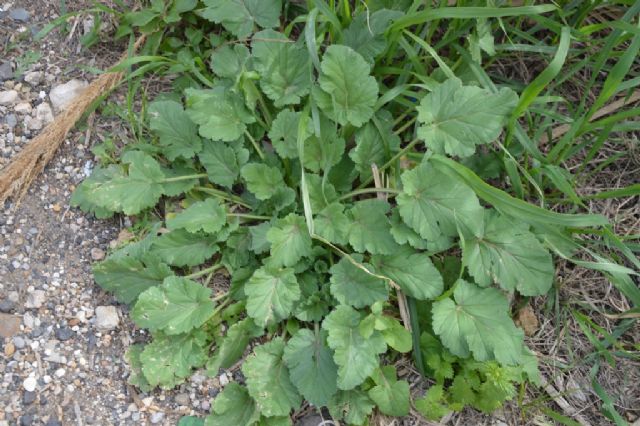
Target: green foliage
[[302, 156]]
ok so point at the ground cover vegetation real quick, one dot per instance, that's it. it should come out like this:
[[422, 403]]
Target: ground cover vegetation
[[328, 187]]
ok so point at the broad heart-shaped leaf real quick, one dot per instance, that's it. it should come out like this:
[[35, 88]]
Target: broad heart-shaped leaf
[[233, 406], [263, 181], [370, 229], [271, 294], [332, 224], [177, 306], [290, 240], [190, 421], [412, 271], [283, 67], [324, 150], [230, 61], [233, 345], [355, 355], [403, 234], [354, 406], [455, 118], [507, 253], [434, 205], [311, 366], [127, 277], [208, 216], [182, 248], [351, 285], [222, 162], [284, 133], [390, 394], [478, 323], [178, 134], [136, 377], [131, 194], [82, 196], [220, 113], [168, 360], [365, 34], [268, 380], [275, 421], [347, 93], [375, 143], [321, 192], [240, 16]]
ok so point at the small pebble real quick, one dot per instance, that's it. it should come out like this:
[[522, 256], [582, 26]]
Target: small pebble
[[35, 299], [19, 342], [26, 420], [29, 384], [64, 333], [6, 306], [107, 318], [28, 398], [60, 372], [156, 417], [97, 254]]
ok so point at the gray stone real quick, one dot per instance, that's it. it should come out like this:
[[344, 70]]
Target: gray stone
[[44, 113], [182, 399], [63, 333], [19, 342], [62, 95], [11, 120], [7, 306], [53, 422], [8, 97], [34, 77], [32, 123], [6, 71], [19, 14], [9, 325], [28, 398], [156, 417], [23, 108], [107, 318], [35, 299], [97, 253]]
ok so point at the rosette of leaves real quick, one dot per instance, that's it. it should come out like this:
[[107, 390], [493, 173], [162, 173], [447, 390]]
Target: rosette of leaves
[[266, 176]]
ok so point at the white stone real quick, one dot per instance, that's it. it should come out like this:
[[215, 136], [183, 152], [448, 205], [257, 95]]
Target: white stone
[[44, 113], [156, 417], [60, 372], [8, 97], [29, 384], [107, 318], [62, 95], [32, 123], [35, 299], [23, 108], [34, 78]]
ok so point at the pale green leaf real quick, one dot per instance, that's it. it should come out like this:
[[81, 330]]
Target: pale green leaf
[[182, 248], [178, 134], [240, 16], [403, 234], [268, 380], [259, 242], [375, 144], [283, 133], [434, 206], [332, 224], [233, 345], [263, 181], [177, 306], [506, 252], [370, 229], [354, 406], [233, 406], [477, 322], [168, 360], [271, 294], [290, 240], [222, 162], [220, 113], [356, 356], [127, 277], [230, 61], [351, 285], [365, 34], [390, 394], [208, 216], [89, 201], [412, 271], [311, 366], [321, 192], [347, 92], [324, 150], [455, 118], [136, 377]]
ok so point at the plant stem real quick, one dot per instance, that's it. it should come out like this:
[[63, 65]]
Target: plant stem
[[255, 145], [186, 177], [369, 191], [233, 198], [204, 271], [249, 216]]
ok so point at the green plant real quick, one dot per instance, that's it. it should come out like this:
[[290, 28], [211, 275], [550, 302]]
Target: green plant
[[314, 166]]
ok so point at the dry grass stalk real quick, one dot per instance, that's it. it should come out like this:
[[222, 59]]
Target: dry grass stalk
[[17, 176]]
